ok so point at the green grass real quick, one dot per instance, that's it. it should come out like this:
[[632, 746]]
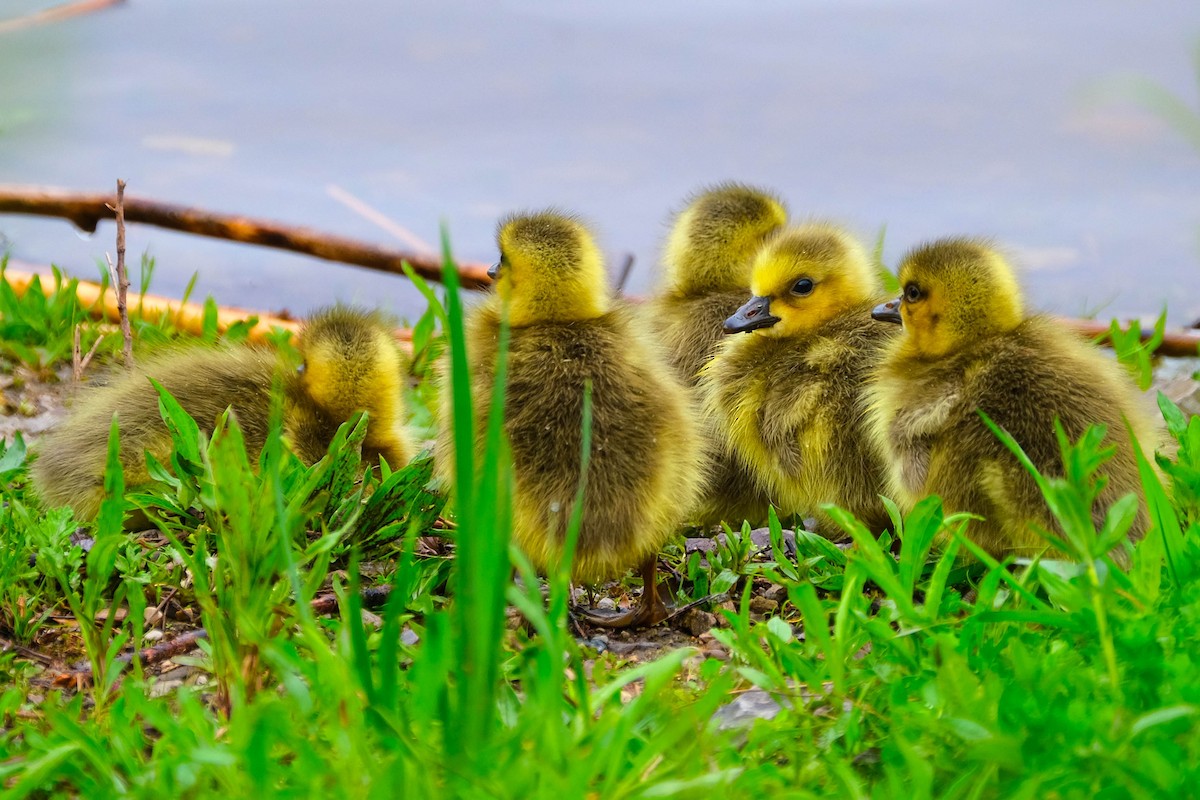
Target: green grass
[[898, 670]]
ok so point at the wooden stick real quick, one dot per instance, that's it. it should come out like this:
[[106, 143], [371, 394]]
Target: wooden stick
[[120, 278], [624, 273], [1183, 344], [372, 597], [187, 317], [56, 13], [378, 218], [86, 211]]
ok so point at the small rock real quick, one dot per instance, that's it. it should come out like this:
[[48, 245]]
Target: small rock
[[83, 538], [870, 756], [747, 707], [1174, 377], [597, 643], [695, 621], [606, 604], [777, 593], [628, 648], [761, 537], [763, 605]]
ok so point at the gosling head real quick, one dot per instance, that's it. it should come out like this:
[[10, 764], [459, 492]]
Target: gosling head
[[955, 292], [803, 278], [550, 270], [351, 364], [712, 244]]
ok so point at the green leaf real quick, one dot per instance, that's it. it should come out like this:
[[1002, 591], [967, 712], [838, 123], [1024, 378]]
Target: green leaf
[[1161, 716], [810, 544]]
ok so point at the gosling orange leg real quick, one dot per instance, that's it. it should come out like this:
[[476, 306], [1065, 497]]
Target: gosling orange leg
[[650, 610]]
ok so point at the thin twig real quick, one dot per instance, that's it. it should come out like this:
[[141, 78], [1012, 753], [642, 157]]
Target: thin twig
[[56, 14], [76, 358], [383, 221], [122, 278], [86, 211], [25, 652], [91, 352], [372, 597], [623, 275]]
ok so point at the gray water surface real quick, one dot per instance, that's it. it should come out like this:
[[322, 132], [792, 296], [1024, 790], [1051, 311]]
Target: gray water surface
[[933, 118]]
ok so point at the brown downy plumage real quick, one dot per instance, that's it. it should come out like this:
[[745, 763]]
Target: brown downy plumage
[[967, 345], [786, 389], [707, 278], [350, 364], [566, 330]]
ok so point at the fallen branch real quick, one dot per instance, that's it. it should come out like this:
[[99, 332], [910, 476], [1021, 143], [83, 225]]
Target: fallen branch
[[86, 210], [1183, 344], [187, 317], [373, 597], [56, 14]]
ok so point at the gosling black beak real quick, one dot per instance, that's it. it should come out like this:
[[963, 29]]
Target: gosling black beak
[[494, 271], [887, 312], [752, 316]]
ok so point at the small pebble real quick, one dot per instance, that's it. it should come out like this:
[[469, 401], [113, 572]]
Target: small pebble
[[696, 621], [763, 605]]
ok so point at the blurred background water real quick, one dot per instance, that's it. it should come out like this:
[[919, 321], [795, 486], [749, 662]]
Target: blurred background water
[[931, 117]]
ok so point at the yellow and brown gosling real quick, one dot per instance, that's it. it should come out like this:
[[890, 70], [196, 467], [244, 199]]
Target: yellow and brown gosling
[[707, 264], [567, 331], [968, 345], [786, 387], [350, 363]]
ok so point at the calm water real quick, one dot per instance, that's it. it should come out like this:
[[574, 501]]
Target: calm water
[[933, 118]]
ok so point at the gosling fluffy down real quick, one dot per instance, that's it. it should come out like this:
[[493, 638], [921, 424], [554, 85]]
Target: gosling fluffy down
[[706, 279], [786, 388], [967, 345], [350, 364], [566, 331]]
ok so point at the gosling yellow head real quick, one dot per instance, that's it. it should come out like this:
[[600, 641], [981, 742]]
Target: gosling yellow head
[[550, 270], [955, 292], [713, 240], [802, 279], [350, 364]]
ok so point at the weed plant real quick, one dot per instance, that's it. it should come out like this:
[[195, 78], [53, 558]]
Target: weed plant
[[894, 668]]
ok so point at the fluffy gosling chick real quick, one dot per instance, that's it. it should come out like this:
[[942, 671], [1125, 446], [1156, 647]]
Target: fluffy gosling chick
[[566, 330], [350, 364], [787, 393], [967, 345], [707, 277]]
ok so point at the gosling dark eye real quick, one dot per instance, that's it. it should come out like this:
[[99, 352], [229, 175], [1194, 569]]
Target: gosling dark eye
[[802, 287], [912, 293]]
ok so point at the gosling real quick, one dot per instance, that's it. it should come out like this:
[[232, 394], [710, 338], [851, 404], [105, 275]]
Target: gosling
[[567, 331], [350, 363], [707, 264], [967, 345], [787, 391]]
